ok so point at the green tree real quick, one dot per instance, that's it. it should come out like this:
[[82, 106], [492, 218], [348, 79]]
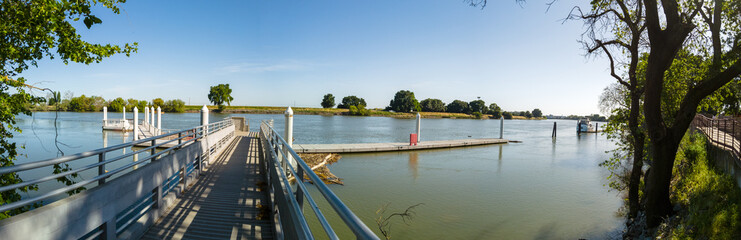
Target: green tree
[[527, 114], [458, 106], [54, 98], [176, 105], [404, 101], [141, 104], [131, 103], [709, 28], [495, 110], [478, 106], [537, 113], [351, 101], [432, 105], [507, 115], [328, 101], [117, 105], [32, 31], [81, 104], [220, 94], [158, 102]]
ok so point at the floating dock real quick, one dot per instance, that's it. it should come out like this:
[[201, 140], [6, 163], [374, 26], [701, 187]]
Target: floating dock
[[390, 147]]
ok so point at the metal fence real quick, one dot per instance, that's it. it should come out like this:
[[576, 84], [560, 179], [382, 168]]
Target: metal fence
[[721, 131], [182, 138], [288, 198]]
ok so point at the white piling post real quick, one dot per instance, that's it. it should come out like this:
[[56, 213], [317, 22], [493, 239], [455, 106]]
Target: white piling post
[[125, 122], [136, 124], [105, 116], [289, 135], [419, 124], [151, 118], [204, 115], [159, 120], [124, 113], [146, 115], [501, 128], [204, 122]]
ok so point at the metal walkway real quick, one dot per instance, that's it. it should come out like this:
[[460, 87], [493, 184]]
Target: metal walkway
[[224, 202]]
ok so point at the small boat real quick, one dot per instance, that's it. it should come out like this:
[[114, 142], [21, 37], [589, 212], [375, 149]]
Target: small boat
[[584, 125]]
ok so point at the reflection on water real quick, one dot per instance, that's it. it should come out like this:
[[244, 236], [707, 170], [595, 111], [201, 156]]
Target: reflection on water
[[413, 158]]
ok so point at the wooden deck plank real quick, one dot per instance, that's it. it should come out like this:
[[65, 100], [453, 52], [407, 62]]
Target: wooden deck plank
[[387, 147], [222, 204]]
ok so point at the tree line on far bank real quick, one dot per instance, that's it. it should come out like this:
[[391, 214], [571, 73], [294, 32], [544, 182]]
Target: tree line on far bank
[[84, 103], [404, 101]]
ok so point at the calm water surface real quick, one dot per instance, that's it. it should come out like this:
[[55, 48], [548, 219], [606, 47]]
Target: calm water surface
[[537, 189]]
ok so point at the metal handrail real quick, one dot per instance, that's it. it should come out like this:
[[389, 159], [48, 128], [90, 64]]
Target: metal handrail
[[718, 130], [276, 142], [182, 135]]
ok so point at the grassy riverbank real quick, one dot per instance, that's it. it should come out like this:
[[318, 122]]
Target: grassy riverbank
[[708, 199], [338, 111]]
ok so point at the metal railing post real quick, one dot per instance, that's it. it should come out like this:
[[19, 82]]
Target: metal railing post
[[101, 168], [300, 191], [180, 139], [154, 149]]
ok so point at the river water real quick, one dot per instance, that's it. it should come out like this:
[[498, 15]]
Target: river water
[[537, 189]]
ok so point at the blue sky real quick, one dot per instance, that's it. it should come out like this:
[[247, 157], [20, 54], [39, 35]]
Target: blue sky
[[281, 53]]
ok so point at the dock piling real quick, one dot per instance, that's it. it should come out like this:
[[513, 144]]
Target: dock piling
[[105, 116], [289, 135], [159, 120], [136, 124], [501, 127], [419, 124], [146, 115], [553, 135]]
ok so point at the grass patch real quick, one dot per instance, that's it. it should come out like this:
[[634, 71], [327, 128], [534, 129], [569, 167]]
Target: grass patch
[[710, 199]]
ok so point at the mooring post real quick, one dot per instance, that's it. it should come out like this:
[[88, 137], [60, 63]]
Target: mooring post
[[204, 124], [124, 114], [289, 135], [419, 122], [105, 116], [596, 127], [159, 120], [151, 120], [501, 127], [553, 135], [136, 124], [146, 115]]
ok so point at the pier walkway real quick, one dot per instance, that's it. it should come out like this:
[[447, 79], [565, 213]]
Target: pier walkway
[[213, 181], [225, 204], [388, 147]]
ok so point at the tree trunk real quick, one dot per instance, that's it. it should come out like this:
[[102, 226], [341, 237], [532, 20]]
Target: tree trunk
[[638, 143], [658, 204]]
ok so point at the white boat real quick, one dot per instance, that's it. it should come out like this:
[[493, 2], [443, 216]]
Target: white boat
[[584, 125]]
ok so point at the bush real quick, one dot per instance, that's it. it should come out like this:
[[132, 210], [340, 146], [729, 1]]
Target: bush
[[359, 111], [176, 105], [477, 115], [432, 105], [710, 196]]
